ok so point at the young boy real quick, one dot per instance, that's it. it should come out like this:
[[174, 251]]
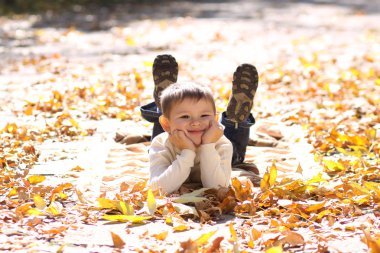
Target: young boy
[[184, 143], [193, 148]]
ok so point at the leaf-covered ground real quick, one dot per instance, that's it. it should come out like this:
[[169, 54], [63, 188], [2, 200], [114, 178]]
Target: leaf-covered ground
[[68, 81]]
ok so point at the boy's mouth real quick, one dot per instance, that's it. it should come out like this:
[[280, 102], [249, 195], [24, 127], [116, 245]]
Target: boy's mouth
[[195, 131]]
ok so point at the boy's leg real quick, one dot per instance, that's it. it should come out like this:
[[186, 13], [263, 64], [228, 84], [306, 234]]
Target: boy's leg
[[238, 118], [238, 134], [165, 73], [151, 113]]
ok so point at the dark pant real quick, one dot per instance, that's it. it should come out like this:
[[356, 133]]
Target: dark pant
[[237, 133]]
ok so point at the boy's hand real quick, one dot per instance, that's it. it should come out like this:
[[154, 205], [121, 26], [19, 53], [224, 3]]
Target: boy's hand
[[179, 139], [214, 133]]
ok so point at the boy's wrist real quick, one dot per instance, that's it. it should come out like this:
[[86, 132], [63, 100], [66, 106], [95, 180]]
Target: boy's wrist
[[207, 146], [208, 141], [187, 150]]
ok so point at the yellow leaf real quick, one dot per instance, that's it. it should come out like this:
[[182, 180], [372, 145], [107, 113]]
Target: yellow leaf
[[130, 41], [316, 179], [264, 183], [161, 236], [139, 81], [39, 202], [148, 64], [273, 174], [362, 200], [277, 249], [117, 241], [190, 197], [233, 233], [59, 190], [22, 210], [180, 228], [10, 128], [60, 250], [371, 133], [358, 189], [274, 223], [269, 178], [373, 244], [375, 187], [122, 207], [377, 82], [355, 153], [203, 239], [74, 123], [152, 206], [34, 212], [12, 192], [332, 166], [127, 218], [28, 110], [315, 207], [55, 208], [34, 179], [130, 210], [323, 214], [107, 203]]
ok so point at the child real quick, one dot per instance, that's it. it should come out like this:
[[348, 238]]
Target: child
[[191, 152], [193, 148]]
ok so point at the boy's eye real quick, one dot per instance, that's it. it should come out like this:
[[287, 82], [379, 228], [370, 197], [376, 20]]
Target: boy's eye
[[185, 117], [205, 115]]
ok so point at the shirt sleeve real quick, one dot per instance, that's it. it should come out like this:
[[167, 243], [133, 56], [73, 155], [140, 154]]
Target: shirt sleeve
[[169, 171], [215, 163]]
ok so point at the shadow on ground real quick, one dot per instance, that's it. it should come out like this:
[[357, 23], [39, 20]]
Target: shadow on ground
[[96, 17]]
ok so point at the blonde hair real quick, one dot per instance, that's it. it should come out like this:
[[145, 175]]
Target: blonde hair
[[178, 92]]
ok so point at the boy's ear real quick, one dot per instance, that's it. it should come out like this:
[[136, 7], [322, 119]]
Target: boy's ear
[[216, 117], [164, 123]]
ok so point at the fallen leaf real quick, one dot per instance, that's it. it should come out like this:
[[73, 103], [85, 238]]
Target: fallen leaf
[[276, 249], [39, 202], [161, 236], [127, 218], [203, 239], [34, 179], [181, 228], [151, 202], [117, 241]]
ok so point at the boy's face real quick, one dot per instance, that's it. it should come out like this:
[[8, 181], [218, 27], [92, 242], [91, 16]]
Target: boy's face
[[192, 117]]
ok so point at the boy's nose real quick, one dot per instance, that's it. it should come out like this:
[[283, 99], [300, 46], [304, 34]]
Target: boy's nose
[[195, 122]]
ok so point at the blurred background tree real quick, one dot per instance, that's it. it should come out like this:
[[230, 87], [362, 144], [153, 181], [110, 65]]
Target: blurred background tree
[[35, 6]]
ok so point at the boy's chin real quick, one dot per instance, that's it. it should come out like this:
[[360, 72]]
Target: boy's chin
[[197, 142]]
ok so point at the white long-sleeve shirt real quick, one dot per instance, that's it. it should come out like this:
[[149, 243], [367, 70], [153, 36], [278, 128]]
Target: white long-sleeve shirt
[[210, 164]]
